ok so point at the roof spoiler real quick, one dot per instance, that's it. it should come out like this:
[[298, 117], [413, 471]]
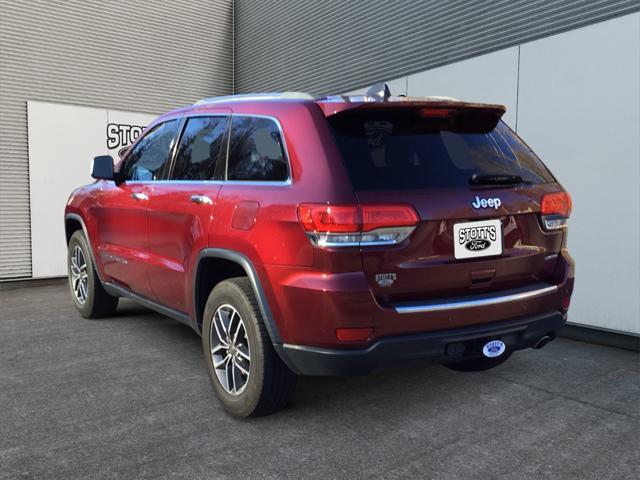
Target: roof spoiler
[[378, 97]]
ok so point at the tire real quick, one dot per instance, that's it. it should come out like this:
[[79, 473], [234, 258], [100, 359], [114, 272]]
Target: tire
[[269, 384], [478, 364], [95, 301]]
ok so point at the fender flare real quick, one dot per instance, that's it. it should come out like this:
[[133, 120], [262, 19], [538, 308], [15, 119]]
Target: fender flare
[[247, 266], [80, 220]]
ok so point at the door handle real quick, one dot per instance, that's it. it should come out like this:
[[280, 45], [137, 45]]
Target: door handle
[[139, 196], [201, 199]]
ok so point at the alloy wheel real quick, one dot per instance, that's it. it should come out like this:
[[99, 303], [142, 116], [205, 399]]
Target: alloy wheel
[[230, 350], [79, 275]]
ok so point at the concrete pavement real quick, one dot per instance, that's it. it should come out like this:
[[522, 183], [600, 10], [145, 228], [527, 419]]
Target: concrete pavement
[[128, 397]]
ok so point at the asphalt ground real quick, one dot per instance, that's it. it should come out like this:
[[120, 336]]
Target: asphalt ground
[[128, 397]]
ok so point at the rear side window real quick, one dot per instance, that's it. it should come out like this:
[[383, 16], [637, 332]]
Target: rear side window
[[149, 158], [392, 151], [201, 148], [256, 150]]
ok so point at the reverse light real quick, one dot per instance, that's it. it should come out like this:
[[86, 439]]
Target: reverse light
[[555, 209], [356, 225]]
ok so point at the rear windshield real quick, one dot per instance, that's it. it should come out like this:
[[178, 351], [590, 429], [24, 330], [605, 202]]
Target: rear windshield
[[384, 151]]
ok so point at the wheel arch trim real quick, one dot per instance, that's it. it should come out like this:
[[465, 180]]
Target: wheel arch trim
[[80, 220], [247, 266]]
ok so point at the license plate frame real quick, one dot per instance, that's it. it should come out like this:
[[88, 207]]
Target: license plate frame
[[477, 239]]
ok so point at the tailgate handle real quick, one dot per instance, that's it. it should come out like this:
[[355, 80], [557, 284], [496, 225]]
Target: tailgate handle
[[482, 277]]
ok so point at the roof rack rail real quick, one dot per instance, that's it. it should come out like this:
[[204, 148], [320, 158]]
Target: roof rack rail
[[257, 96], [442, 98], [391, 99]]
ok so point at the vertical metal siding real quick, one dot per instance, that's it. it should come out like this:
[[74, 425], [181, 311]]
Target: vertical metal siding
[[136, 56], [335, 46]]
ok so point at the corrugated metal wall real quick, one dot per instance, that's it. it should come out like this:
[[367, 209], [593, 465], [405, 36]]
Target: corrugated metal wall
[[135, 56], [336, 46]]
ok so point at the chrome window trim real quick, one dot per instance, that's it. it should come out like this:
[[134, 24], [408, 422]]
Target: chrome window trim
[[285, 149], [174, 152], [226, 157], [477, 302], [230, 115], [150, 128], [170, 182], [184, 119], [260, 183], [212, 182]]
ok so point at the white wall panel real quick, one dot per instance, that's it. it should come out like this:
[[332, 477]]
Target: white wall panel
[[579, 108], [62, 141], [491, 78]]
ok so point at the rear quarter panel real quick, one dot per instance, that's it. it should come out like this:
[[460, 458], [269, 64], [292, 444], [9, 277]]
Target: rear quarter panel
[[317, 175]]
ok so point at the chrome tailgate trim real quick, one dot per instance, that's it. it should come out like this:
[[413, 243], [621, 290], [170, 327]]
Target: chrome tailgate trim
[[484, 300]]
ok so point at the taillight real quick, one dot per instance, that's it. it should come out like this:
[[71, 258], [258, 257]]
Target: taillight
[[329, 218], [556, 204], [356, 225], [555, 209]]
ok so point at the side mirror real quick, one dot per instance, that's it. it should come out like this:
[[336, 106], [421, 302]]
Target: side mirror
[[102, 167]]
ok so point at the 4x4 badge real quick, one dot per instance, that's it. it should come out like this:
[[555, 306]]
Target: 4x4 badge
[[386, 279]]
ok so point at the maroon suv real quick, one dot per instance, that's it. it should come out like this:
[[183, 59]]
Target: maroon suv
[[328, 236]]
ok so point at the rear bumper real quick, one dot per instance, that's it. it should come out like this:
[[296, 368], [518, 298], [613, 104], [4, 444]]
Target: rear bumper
[[443, 346], [309, 305]]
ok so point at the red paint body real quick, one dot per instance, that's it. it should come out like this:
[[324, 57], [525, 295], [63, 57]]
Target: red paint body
[[313, 291]]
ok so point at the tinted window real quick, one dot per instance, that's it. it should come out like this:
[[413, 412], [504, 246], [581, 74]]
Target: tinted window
[[385, 151], [256, 150], [200, 148], [148, 160]]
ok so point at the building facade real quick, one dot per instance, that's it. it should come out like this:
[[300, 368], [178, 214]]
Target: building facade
[[131, 56]]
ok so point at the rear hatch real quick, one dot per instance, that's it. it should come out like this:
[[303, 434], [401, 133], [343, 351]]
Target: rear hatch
[[475, 185]]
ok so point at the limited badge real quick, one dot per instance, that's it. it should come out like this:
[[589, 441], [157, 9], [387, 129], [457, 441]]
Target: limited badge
[[386, 279], [493, 349]]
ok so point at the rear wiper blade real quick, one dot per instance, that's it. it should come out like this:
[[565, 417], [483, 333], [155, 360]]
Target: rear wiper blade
[[495, 179]]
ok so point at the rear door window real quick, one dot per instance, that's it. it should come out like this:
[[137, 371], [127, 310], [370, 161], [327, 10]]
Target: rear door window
[[149, 159], [202, 148], [256, 150], [384, 151]]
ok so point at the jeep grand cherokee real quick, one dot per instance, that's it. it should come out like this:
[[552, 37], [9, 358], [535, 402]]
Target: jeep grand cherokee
[[327, 236]]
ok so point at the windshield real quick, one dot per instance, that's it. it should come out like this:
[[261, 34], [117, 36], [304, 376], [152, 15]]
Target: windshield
[[384, 151]]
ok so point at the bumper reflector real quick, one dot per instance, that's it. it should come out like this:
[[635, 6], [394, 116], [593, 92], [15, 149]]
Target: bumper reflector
[[353, 334]]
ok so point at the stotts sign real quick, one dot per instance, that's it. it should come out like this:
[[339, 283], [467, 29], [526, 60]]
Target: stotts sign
[[120, 136]]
